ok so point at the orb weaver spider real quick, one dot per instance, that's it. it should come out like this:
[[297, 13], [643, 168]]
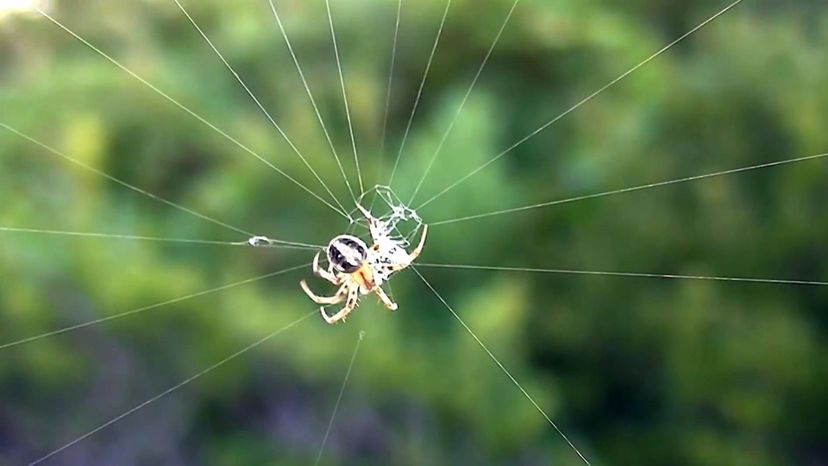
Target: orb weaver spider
[[360, 270]]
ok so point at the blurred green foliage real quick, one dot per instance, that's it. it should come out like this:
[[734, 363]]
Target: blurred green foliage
[[635, 370]]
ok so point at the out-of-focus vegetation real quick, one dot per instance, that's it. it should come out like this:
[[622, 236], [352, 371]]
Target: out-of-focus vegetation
[[635, 370]]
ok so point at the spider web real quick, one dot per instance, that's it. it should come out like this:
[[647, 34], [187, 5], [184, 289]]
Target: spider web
[[405, 222], [399, 219]]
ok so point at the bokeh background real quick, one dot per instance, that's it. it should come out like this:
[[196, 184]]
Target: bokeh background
[[634, 370]]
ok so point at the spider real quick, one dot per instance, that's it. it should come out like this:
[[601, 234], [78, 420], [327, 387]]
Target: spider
[[360, 270]]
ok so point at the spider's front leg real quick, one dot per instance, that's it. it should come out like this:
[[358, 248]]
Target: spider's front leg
[[416, 252], [386, 301], [326, 274], [350, 304]]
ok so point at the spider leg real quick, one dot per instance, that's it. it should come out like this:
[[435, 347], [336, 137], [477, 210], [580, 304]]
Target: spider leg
[[390, 305], [416, 252], [325, 300], [350, 304], [326, 274]]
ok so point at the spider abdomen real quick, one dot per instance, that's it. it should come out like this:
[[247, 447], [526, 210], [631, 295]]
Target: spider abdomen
[[347, 253]]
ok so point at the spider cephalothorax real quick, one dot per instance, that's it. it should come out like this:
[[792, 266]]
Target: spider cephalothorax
[[360, 270]]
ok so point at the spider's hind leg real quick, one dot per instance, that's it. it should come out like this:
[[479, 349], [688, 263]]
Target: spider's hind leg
[[324, 300], [326, 274], [350, 304]]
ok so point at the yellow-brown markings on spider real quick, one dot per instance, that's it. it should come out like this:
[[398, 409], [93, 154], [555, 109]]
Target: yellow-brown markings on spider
[[364, 277]]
